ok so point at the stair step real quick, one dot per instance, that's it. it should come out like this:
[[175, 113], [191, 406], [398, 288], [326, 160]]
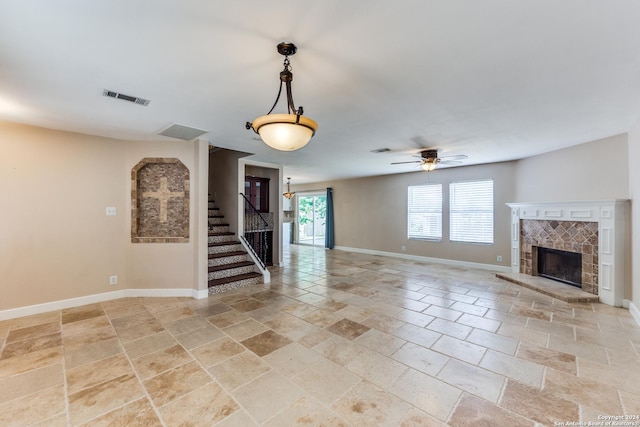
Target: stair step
[[226, 254], [225, 247], [227, 243], [238, 278], [231, 269], [227, 258], [230, 266], [221, 238], [217, 221], [215, 242], [223, 250]]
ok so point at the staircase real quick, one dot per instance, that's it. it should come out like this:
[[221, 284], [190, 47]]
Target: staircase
[[229, 265]]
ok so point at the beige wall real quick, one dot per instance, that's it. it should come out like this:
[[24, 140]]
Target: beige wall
[[371, 213], [56, 241], [591, 171], [634, 190], [223, 184]]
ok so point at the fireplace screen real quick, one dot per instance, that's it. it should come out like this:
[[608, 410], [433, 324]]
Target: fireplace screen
[[559, 265]]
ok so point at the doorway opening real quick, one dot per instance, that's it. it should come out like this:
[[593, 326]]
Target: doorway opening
[[312, 214]]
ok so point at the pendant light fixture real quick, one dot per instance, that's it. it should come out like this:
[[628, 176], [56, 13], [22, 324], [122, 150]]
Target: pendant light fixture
[[290, 131], [288, 194]]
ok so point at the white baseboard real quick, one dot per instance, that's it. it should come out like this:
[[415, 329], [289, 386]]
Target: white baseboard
[[200, 294], [633, 309], [456, 263], [92, 299]]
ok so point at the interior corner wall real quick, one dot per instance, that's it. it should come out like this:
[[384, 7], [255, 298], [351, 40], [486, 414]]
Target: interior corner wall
[[223, 184], [591, 171], [57, 242], [371, 213]]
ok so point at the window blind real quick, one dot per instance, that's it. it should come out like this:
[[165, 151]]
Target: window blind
[[471, 211], [425, 212]]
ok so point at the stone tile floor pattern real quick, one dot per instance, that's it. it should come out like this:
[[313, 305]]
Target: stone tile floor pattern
[[336, 339]]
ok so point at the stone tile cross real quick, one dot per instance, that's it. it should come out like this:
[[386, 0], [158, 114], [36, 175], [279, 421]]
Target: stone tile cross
[[163, 195]]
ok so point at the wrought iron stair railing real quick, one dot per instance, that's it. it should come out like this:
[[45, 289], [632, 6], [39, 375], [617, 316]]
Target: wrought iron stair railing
[[258, 232]]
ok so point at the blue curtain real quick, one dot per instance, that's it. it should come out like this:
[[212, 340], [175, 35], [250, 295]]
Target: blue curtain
[[329, 236]]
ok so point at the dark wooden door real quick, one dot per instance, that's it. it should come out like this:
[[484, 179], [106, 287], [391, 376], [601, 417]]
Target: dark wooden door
[[257, 190]]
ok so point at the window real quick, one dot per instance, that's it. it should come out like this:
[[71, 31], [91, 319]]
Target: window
[[425, 212], [471, 211]]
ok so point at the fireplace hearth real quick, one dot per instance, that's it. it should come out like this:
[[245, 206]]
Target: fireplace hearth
[[562, 266]]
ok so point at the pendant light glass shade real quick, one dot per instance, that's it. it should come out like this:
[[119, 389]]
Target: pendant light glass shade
[[280, 131]]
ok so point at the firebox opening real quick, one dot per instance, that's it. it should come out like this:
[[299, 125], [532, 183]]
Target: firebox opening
[[563, 266]]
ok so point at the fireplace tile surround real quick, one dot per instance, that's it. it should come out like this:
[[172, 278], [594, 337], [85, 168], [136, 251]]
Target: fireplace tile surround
[[573, 236], [596, 229]]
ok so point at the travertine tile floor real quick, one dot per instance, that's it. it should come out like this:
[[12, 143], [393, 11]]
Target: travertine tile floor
[[336, 339]]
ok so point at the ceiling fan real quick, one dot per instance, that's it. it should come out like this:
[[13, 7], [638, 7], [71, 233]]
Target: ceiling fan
[[429, 159]]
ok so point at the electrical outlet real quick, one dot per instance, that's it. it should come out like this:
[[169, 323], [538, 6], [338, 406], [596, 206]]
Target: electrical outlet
[[499, 258], [113, 280], [404, 248], [111, 211]]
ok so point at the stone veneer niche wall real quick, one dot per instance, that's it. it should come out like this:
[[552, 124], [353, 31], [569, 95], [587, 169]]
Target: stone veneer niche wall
[[597, 229], [160, 201]]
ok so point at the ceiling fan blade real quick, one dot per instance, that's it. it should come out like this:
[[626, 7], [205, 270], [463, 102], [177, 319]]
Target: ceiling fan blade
[[455, 157], [449, 162], [401, 163]]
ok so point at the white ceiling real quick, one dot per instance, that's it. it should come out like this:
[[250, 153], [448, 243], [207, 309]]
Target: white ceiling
[[495, 79]]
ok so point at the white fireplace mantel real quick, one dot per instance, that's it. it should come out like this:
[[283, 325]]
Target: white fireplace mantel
[[611, 216]]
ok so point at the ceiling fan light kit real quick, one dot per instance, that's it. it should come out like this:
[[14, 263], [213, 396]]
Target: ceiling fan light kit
[[429, 165], [430, 160], [290, 131]]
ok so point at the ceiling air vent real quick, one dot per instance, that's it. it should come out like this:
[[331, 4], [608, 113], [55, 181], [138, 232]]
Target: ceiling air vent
[[380, 150], [134, 99], [182, 132]]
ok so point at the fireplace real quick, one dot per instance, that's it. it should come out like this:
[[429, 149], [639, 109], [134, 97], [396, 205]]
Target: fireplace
[[563, 266], [596, 229], [579, 237]]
